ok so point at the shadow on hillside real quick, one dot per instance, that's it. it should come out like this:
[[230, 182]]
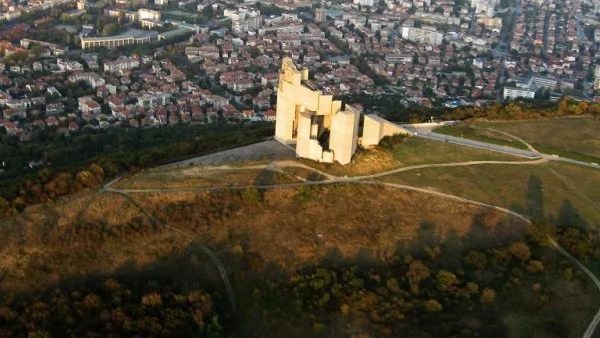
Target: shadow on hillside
[[534, 207], [261, 286], [265, 177]]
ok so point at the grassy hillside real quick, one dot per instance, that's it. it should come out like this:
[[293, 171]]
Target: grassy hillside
[[576, 138], [576, 135], [563, 192]]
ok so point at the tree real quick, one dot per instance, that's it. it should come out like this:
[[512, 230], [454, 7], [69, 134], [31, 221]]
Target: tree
[[594, 109], [540, 230], [446, 280], [392, 286], [476, 259], [488, 296], [417, 271], [568, 274], [110, 29], [562, 106], [36, 51], [432, 305], [520, 250]]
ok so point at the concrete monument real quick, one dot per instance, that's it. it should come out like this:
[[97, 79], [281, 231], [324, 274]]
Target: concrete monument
[[322, 129]]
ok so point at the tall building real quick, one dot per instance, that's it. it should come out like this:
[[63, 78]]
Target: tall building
[[243, 19], [597, 77], [320, 14]]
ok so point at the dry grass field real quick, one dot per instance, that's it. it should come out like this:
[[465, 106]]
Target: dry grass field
[[96, 233], [302, 225], [200, 176]]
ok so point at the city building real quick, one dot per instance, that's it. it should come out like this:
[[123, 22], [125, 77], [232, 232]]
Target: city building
[[425, 35], [369, 3], [131, 37], [320, 14], [122, 63], [149, 101], [514, 92], [144, 13], [597, 77]]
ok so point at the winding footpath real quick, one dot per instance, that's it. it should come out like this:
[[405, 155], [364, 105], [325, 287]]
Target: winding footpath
[[592, 326], [277, 166]]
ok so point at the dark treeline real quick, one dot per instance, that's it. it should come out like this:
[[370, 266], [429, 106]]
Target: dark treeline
[[118, 306], [389, 107], [86, 159]]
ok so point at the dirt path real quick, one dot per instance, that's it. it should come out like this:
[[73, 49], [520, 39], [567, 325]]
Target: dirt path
[[594, 323], [193, 240], [515, 138]]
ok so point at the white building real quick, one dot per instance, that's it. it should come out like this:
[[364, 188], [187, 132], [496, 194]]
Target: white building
[[426, 35], [122, 63], [243, 19], [149, 101], [149, 14], [93, 79], [88, 105], [364, 2], [514, 92]]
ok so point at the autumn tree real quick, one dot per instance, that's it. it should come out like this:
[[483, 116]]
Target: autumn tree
[[520, 250], [488, 296], [432, 305], [417, 272], [476, 259], [446, 280]]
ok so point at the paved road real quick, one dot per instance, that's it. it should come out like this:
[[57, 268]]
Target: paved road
[[480, 145], [568, 160], [427, 133]]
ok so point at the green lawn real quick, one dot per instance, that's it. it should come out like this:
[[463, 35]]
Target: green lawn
[[556, 190], [416, 150], [565, 137], [481, 135]]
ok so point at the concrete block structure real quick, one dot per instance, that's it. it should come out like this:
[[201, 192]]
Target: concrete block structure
[[321, 128], [375, 128], [317, 124]]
